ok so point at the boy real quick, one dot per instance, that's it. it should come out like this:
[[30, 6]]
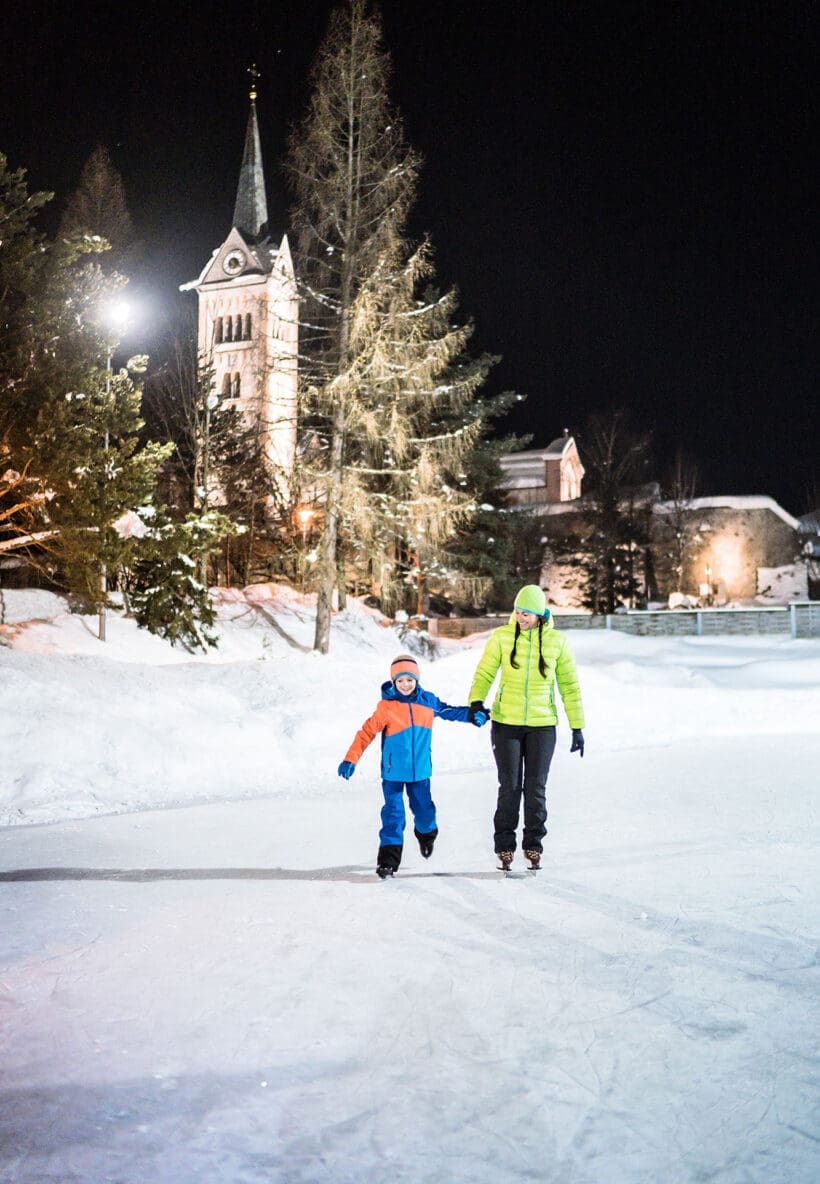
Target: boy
[[404, 717]]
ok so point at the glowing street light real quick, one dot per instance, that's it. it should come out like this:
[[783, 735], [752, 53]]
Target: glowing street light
[[305, 515]]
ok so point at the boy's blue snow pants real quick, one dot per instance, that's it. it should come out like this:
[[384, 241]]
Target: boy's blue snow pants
[[393, 818]]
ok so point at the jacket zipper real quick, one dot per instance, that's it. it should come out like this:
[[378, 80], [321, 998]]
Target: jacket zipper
[[527, 678], [412, 740]]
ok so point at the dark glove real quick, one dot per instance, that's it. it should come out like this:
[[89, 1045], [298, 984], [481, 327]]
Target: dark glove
[[478, 714], [577, 741], [346, 769]]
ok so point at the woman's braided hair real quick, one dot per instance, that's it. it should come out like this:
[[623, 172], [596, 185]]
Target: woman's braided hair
[[542, 666]]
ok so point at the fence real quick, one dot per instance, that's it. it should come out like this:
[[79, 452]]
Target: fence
[[799, 620]]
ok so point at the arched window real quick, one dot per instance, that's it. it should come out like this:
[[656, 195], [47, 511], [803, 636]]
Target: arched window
[[247, 326], [237, 328], [237, 386], [226, 386], [218, 331]]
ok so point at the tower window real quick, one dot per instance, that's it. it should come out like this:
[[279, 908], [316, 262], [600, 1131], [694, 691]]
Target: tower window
[[218, 329], [237, 328], [247, 326], [231, 385]]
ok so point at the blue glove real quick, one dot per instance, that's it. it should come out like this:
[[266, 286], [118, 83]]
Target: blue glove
[[478, 714], [577, 741], [346, 769]]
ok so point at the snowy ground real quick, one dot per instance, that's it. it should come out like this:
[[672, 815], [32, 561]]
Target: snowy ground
[[202, 980]]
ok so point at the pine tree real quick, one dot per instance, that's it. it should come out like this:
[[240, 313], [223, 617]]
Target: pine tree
[[98, 207], [164, 589], [354, 178], [50, 343], [87, 443], [413, 424], [387, 382]]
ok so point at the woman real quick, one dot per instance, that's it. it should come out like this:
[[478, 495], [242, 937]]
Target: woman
[[532, 657]]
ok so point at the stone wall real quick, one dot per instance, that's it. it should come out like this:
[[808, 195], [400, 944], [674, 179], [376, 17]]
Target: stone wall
[[727, 542], [797, 620]]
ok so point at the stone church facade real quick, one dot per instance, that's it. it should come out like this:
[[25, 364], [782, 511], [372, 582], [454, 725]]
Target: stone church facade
[[248, 319]]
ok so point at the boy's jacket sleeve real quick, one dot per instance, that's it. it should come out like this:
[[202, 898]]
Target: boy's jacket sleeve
[[445, 711], [366, 734]]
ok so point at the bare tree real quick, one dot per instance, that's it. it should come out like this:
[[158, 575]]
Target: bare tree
[[674, 518], [616, 511]]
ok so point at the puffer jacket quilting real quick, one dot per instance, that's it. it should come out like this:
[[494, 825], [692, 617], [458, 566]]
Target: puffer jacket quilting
[[523, 696]]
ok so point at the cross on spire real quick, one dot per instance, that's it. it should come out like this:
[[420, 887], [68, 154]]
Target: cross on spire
[[255, 75]]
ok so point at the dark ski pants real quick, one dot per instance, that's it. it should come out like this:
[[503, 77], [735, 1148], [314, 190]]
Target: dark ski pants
[[393, 818], [522, 757]]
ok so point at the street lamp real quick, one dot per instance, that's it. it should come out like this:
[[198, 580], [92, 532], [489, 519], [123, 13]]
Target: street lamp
[[304, 517], [115, 316]]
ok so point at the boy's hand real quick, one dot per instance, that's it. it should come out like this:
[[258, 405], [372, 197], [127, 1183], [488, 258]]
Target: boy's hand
[[577, 741], [346, 769], [478, 713]]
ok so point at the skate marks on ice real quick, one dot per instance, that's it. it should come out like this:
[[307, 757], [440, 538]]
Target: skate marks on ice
[[349, 874], [161, 1127]]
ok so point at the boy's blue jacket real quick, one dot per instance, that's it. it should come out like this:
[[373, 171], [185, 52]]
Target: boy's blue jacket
[[406, 725]]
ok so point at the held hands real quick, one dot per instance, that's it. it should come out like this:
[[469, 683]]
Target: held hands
[[478, 714], [577, 741], [346, 769]]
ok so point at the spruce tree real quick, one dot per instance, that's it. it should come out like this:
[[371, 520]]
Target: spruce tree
[[98, 207], [413, 424], [354, 178], [386, 381]]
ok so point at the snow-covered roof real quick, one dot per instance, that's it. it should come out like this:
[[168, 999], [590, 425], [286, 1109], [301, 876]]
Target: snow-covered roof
[[559, 446], [735, 501]]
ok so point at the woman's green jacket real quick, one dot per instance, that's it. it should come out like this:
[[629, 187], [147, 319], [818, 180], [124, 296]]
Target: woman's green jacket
[[523, 695]]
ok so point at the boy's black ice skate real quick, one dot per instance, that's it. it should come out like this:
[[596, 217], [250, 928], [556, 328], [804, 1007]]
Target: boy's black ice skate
[[535, 859], [426, 842], [505, 859], [388, 860]]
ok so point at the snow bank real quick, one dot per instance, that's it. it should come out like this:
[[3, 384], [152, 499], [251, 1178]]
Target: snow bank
[[134, 724]]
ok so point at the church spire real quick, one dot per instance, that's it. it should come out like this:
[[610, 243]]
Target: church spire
[[250, 215]]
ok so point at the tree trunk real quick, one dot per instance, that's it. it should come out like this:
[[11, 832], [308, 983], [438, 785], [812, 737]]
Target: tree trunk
[[326, 566], [341, 582]]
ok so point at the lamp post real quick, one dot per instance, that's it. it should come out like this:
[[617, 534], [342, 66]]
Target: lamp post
[[115, 315]]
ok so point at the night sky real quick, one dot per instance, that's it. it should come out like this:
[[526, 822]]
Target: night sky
[[623, 193]]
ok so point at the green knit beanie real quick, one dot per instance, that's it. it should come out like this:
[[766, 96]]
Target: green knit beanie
[[531, 599]]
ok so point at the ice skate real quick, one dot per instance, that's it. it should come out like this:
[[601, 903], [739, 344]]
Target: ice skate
[[426, 842]]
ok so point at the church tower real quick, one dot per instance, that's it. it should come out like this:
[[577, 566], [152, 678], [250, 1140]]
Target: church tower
[[248, 313]]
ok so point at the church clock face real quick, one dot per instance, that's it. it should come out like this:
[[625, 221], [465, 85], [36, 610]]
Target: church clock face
[[233, 262]]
